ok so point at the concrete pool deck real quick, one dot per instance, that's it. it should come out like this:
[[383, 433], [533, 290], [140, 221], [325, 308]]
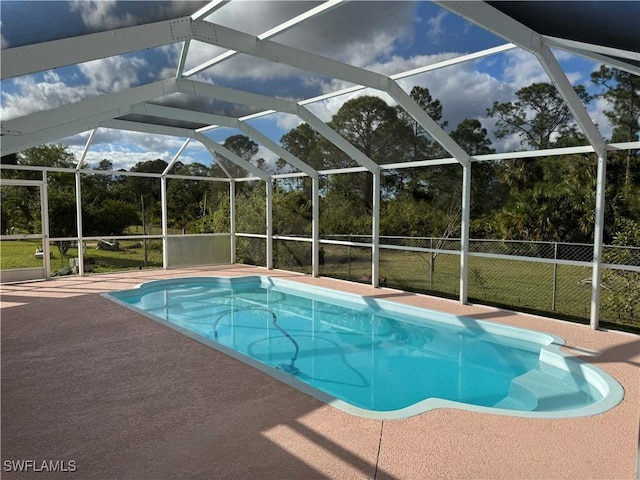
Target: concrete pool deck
[[89, 381]]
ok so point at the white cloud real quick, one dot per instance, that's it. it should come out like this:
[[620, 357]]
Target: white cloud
[[597, 113], [522, 68], [28, 94], [125, 149], [285, 121], [101, 14], [269, 157], [31, 95], [113, 74], [356, 33], [435, 24]]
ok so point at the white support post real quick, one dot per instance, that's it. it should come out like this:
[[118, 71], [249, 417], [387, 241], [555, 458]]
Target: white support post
[[269, 220], [464, 233], [44, 212], [79, 222], [183, 58], [232, 218], [86, 149], [165, 229], [315, 226], [375, 231], [597, 240]]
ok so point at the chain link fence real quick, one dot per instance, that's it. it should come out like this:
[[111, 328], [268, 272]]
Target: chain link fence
[[347, 262], [548, 278], [292, 255]]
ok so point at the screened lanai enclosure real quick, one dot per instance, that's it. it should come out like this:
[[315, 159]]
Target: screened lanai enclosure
[[482, 151]]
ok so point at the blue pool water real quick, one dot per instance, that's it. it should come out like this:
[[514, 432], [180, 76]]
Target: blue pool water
[[373, 357]]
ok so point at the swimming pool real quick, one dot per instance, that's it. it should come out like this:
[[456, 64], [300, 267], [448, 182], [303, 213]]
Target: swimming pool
[[373, 357]]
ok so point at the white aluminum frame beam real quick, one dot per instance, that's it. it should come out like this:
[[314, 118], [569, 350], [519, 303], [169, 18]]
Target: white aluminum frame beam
[[229, 155], [86, 149], [598, 56], [49, 125], [590, 48], [183, 58], [165, 221], [147, 128], [233, 39], [269, 222], [598, 233], [612, 62], [43, 56], [46, 233], [232, 219], [175, 157], [230, 122], [495, 21], [79, 227], [208, 9], [559, 78], [280, 105], [277, 30]]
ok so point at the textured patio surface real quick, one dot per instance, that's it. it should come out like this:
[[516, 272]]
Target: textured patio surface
[[122, 396]]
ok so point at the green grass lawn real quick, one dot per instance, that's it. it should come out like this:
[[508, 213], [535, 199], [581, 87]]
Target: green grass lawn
[[514, 284], [20, 254]]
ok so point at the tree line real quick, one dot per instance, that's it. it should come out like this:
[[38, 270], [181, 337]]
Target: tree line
[[551, 199]]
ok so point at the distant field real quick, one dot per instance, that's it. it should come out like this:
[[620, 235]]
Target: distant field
[[20, 254], [515, 284]]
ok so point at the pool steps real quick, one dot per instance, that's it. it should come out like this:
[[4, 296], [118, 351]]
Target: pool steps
[[545, 388]]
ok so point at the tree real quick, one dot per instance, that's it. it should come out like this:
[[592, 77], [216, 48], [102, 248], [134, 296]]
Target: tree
[[186, 199], [62, 216], [472, 137], [243, 147], [147, 190], [621, 293], [374, 128], [305, 143], [416, 143], [424, 146], [539, 115], [622, 91], [108, 217], [486, 192], [547, 200]]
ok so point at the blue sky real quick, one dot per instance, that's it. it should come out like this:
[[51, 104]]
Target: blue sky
[[387, 37]]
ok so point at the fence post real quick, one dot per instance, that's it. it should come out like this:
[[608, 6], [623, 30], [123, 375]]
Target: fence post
[[555, 277], [431, 265], [349, 263]]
